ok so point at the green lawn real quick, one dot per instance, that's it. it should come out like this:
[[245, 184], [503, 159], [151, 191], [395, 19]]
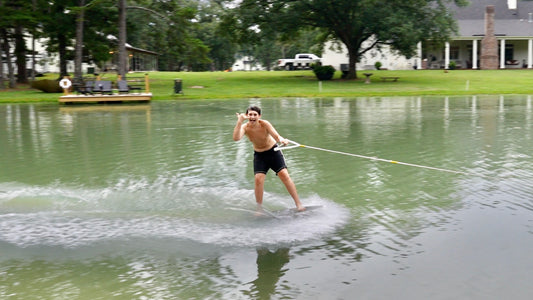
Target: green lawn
[[263, 84]]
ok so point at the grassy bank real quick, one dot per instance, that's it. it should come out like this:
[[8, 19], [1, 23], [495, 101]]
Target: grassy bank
[[221, 85]]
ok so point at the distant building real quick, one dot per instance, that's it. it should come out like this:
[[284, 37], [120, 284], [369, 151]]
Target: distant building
[[246, 63], [335, 54], [511, 25], [513, 36], [138, 60]]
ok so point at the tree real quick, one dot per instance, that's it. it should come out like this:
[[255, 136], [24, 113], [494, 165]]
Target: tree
[[68, 23], [23, 18], [6, 49], [15, 17], [122, 53], [3, 34], [78, 56], [100, 22], [169, 28], [361, 25], [221, 47], [174, 33], [20, 54], [59, 27], [2, 84], [258, 34], [4, 38]]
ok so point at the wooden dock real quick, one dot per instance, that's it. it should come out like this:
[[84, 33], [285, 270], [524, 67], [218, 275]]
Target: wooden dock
[[95, 98], [119, 108], [102, 91]]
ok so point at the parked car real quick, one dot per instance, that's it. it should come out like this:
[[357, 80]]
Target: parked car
[[300, 61]]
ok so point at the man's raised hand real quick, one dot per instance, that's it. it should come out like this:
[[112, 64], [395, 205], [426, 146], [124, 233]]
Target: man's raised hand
[[242, 117]]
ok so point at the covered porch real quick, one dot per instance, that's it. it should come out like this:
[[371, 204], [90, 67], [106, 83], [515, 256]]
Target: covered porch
[[513, 53]]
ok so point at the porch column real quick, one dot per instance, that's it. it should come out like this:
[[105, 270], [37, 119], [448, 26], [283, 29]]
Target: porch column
[[447, 56], [502, 54], [419, 54], [474, 54], [529, 53]]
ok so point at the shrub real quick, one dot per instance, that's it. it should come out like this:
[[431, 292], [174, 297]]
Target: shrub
[[452, 65], [377, 65], [47, 85], [324, 72]]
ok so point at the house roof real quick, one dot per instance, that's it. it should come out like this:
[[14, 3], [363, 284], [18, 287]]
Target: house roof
[[508, 22], [130, 47], [134, 49]]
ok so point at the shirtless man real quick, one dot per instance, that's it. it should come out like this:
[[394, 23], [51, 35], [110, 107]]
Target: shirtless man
[[264, 139]]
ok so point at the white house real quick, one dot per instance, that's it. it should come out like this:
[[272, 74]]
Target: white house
[[138, 59], [45, 62], [335, 54], [513, 30], [246, 63]]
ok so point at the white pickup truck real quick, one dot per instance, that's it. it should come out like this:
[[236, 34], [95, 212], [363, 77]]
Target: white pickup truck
[[300, 61]]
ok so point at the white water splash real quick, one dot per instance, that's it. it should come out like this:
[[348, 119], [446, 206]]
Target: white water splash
[[165, 209]]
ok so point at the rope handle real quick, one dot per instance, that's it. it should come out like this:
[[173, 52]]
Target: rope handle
[[288, 146]]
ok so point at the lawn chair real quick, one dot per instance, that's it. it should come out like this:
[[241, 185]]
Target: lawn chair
[[87, 88], [103, 87], [123, 87]]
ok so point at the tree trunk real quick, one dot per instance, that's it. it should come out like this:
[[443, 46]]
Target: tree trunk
[[2, 84], [352, 61], [34, 7], [78, 59], [122, 54], [5, 46], [268, 62], [20, 53], [33, 56], [62, 40]]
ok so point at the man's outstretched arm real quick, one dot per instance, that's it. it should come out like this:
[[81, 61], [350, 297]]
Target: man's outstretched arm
[[274, 133], [238, 131]]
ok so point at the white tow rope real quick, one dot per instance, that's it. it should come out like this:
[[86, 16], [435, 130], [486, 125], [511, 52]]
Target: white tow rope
[[293, 144]]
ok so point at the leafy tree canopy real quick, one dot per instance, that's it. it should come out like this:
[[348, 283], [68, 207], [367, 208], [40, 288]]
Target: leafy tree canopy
[[360, 25]]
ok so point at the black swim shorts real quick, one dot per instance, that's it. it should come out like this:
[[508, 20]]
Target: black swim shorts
[[269, 159]]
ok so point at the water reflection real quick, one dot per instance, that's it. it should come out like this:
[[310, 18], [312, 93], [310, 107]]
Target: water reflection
[[127, 276], [269, 271]]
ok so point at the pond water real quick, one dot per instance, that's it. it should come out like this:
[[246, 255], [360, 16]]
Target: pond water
[[148, 201]]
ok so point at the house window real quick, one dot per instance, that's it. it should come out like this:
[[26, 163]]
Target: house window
[[509, 52], [454, 52]]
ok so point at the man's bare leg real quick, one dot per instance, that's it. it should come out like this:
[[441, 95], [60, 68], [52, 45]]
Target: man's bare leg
[[291, 188], [259, 189]]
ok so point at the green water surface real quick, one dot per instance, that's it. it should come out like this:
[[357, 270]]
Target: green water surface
[[149, 201]]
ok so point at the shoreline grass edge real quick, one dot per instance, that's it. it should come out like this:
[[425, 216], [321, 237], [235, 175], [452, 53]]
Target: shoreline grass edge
[[299, 84]]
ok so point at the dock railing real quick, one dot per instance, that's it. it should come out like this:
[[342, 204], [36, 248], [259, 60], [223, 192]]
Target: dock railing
[[135, 84]]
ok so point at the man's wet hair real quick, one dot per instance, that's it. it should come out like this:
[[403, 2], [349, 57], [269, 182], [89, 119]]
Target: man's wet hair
[[254, 108]]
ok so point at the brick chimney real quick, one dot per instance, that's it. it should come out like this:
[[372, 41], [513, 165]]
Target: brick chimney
[[489, 44]]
